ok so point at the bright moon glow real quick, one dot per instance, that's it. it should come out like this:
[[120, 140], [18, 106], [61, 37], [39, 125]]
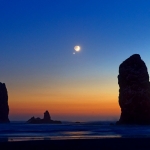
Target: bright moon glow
[[77, 48]]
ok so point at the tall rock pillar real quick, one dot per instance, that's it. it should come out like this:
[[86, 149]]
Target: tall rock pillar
[[4, 108], [134, 92]]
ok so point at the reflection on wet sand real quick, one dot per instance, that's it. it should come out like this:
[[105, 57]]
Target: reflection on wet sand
[[64, 136]]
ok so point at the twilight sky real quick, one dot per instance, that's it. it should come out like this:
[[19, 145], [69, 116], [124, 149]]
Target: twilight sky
[[37, 63]]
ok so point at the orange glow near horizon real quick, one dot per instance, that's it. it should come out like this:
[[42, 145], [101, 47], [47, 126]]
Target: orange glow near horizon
[[66, 103], [100, 110]]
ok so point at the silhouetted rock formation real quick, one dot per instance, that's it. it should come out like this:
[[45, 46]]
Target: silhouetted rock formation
[[134, 92], [46, 116], [4, 109], [45, 120]]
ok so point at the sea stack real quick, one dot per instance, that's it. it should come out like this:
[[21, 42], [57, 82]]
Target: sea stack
[[4, 108], [46, 120], [47, 117], [134, 92]]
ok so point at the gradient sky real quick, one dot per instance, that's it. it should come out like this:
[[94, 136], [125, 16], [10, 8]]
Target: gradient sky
[[37, 40]]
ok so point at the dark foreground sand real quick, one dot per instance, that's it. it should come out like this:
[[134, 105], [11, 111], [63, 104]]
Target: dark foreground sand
[[81, 144]]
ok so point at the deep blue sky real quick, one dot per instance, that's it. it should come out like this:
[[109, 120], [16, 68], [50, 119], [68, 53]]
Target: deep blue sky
[[37, 39]]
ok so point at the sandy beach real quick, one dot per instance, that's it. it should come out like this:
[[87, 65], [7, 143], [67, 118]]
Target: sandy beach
[[81, 144]]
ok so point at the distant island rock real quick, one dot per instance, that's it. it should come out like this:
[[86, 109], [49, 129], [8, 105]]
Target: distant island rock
[[134, 92], [4, 108], [45, 120]]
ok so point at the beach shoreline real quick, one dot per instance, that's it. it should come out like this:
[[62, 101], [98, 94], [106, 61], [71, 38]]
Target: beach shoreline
[[80, 144]]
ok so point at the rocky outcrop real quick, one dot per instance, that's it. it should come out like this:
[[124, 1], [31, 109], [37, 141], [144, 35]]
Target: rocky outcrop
[[47, 116], [134, 92], [45, 120], [4, 109]]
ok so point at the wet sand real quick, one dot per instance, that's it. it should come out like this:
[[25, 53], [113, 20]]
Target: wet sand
[[81, 144]]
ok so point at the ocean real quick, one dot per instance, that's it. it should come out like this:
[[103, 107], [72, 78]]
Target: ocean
[[20, 131]]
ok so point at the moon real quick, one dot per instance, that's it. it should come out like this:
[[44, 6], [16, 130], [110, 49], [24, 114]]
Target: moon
[[77, 48]]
